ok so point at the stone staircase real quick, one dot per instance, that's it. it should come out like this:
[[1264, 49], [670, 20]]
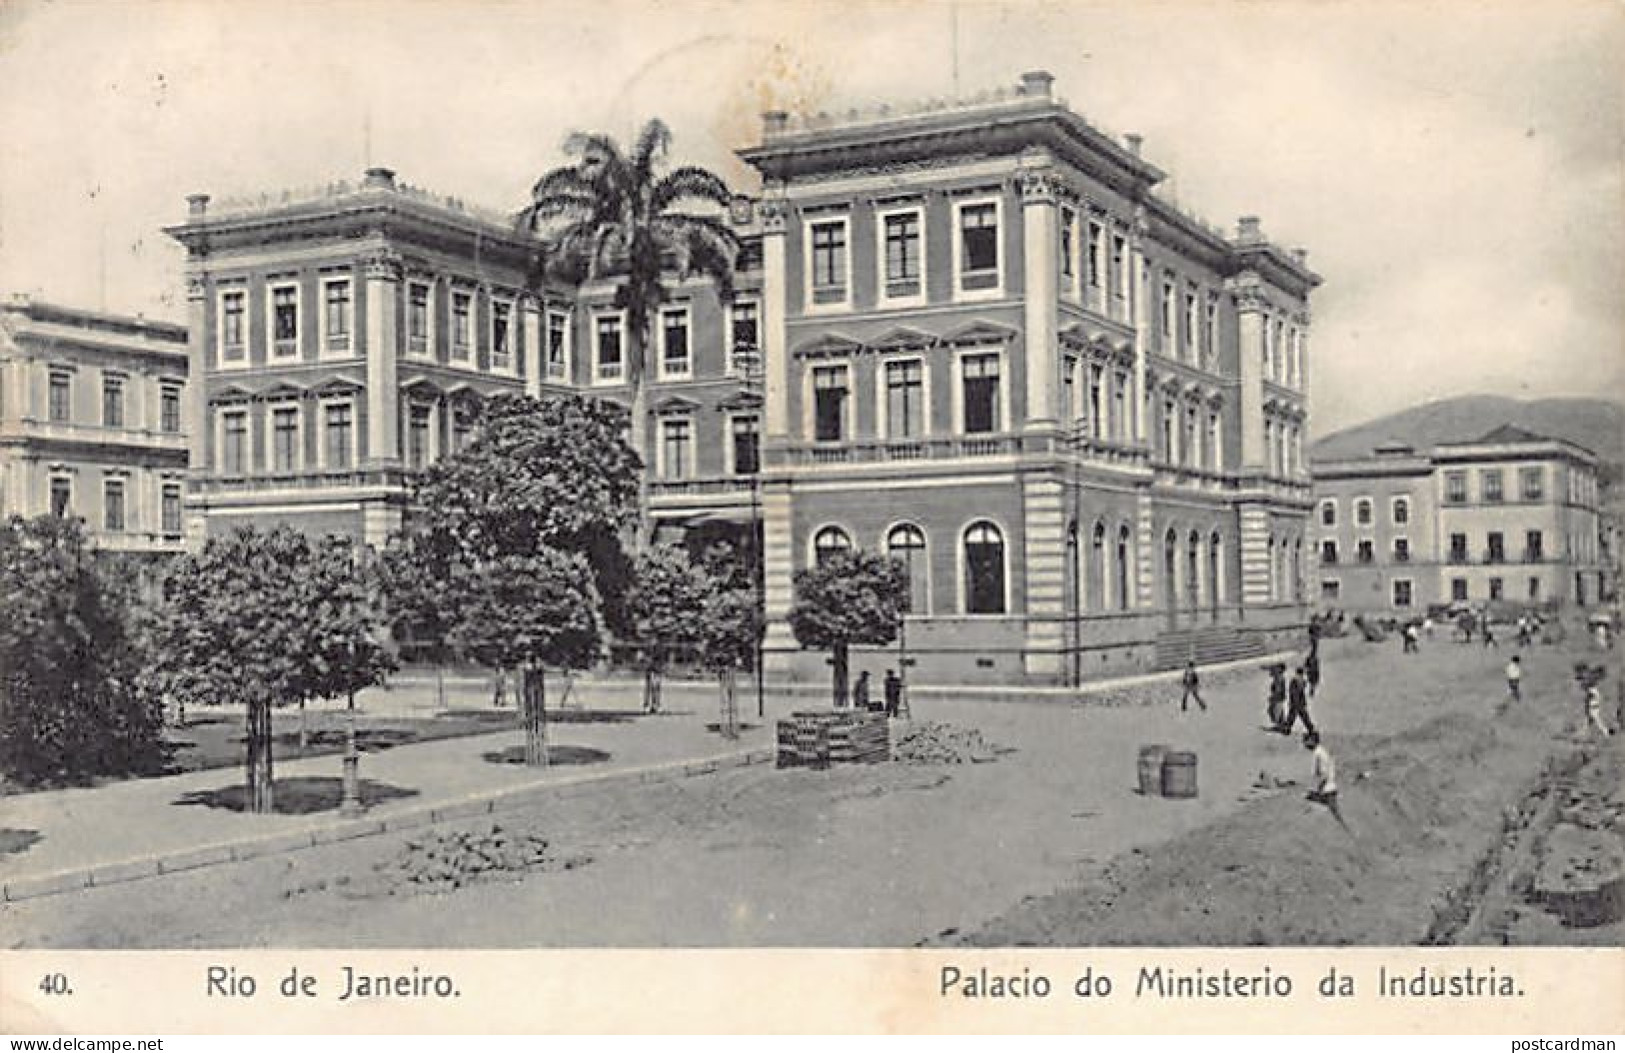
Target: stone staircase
[[1206, 645]]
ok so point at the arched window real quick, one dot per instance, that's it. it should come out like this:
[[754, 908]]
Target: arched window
[[984, 569], [1362, 511], [1170, 571], [1074, 569], [905, 543], [1097, 568], [1214, 554], [1193, 571], [1270, 559], [828, 541], [1123, 564]]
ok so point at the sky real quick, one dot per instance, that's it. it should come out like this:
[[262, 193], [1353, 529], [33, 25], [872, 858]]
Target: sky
[[1454, 168]]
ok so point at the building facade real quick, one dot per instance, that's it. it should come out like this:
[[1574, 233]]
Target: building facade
[[93, 423], [976, 338], [994, 351], [1512, 517], [345, 336]]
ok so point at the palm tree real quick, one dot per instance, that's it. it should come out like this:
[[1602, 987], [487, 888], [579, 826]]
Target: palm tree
[[611, 215]]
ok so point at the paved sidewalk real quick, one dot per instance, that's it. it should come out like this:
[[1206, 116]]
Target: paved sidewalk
[[114, 826]]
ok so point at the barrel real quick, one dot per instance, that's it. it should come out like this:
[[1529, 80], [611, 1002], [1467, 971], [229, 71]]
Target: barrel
[[1179, 774], [1151, 769]]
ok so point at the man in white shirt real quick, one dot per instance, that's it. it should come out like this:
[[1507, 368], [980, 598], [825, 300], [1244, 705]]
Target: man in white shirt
[[1515, 679], [1325, 779]]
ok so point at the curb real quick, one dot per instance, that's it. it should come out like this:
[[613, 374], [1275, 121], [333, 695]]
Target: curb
[[100, 875]]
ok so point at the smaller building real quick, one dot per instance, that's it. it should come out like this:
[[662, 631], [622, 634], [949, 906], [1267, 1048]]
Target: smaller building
[[93, 422], [1511, 517]]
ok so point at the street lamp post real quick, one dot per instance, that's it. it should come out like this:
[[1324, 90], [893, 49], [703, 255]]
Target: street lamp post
[[749, 361]]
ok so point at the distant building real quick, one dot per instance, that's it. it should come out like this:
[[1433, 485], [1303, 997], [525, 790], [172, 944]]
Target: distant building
[[1510, 517], [93, 421]]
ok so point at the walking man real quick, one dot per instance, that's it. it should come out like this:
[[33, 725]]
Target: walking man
[[1514, 679], [1297, 705], [1311, 672], [860, 691], [1277, 698], [1409, 635], [893, 687], [1594, 709], [1193, 684]]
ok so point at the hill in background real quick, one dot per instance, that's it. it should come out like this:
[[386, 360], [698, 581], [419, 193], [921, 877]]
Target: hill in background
[[1597, 424]]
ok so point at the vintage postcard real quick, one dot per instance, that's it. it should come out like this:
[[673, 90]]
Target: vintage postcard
[[878, 515]]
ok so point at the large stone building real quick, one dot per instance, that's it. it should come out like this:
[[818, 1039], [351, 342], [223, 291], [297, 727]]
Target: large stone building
[[994, 351], [988, 346], [93, 421], [1510, 517]]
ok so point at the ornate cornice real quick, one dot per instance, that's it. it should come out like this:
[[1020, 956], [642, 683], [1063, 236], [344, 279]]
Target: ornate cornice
[[774, 214], [1040, 187], [383, 266]]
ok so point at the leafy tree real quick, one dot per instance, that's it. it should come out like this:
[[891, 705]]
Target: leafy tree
[[516, 538], [848, 598], [263, 620], [729, 627], [666, 595], [527, 612], [73, 703], [613, 215]]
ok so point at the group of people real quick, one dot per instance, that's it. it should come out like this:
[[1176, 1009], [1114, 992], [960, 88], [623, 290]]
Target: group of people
[[892, 694]]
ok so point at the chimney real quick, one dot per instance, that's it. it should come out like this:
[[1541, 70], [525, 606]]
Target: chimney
[[379, 179], [1247, 230], [197, 205], [774, 123], [1134, 140], [1300, 256], [1037, 82]]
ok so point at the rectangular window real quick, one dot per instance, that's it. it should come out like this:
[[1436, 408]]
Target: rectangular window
[[1094, 261], [170, 511], [607, 345], [745, 338], [1096, 396], [1402, 593], [61, 400], [1187, 338], [1069, 269], [462, 428], [1534, 546], [1532, 483], [1328, 513], [113, 505], [1400, 511], [1213, 455], [1328, 552], [1402, 550], [1458, 588], [462, 326], [339, 447], [1366, 551], [746, 435], [1458, 548], [1455, 488], [1069, 390], [829, 403], [61, 496], [981, 393], [1496, 588], [903, 275], [336, 306], [417, 318], [979, 246], [501, 336], [285, 439], [1534, 588], [419, 420], [1165, 316], [285, 320], [234, 443], [1495, 548], [905, 400], [169, 409], [674, 353], [1330, 589], [113, 402], [558, 346], [1120, 276], [828, 241], [1489, 481], [675, 442], [1362, 512], [1210, 328], [232, 348], [1120, 408]]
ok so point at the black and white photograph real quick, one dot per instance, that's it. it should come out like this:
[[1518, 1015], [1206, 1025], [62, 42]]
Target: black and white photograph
[[869, 475]]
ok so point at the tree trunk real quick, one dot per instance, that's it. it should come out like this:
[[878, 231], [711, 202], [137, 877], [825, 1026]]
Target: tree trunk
[[651, 690], [259, 756], [499, 687], [351, 802], [730, 705], [304, 728], [440, 685], [533, 694], [840, 675], [638, 433]]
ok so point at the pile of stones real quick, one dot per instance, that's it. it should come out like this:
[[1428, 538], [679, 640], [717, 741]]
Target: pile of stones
[[442, 861], [931, 742]]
